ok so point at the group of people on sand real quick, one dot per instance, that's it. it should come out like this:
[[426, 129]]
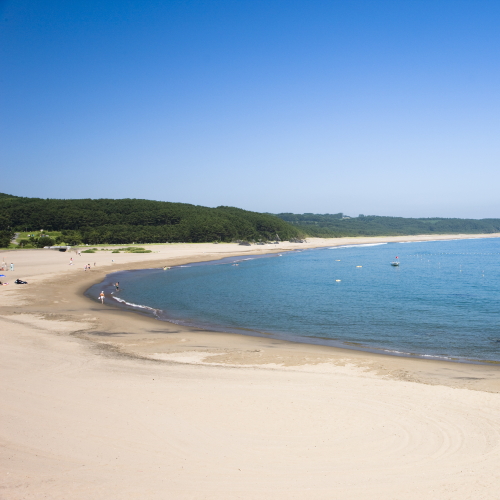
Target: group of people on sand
[[5, 267], [87, 266]]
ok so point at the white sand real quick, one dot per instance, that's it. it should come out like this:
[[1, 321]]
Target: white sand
[[85, 414]]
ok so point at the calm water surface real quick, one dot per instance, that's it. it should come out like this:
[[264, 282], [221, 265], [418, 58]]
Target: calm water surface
[[443, 299]]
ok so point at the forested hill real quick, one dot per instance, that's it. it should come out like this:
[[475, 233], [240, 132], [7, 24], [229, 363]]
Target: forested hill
[[337, 225], [140, 221], [145, 221]]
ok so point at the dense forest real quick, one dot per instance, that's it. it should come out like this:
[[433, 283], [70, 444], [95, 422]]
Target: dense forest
[[144, 221], [141, 221], [337, 225]]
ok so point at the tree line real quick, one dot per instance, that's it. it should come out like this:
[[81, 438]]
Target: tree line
[[125, 221], [333, 226]]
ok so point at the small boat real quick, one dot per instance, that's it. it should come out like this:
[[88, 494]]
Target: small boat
[[395, 263]]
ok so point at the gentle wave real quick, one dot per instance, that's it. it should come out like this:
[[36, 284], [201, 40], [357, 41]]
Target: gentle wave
[[437, 357], [361, 245], [131, 304], [411, 354], [433, 241]]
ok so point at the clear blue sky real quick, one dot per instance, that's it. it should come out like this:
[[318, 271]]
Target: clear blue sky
[[375, 107]]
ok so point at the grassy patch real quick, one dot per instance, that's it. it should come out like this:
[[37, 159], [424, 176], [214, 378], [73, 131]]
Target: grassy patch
[[133, 250]]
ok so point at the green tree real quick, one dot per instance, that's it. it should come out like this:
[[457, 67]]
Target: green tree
[[45, 241]]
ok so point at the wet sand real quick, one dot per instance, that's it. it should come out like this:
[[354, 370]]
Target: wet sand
[[98, 402]]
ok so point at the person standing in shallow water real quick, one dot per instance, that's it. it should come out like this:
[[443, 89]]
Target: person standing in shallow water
[[101, 297], [117, 286]]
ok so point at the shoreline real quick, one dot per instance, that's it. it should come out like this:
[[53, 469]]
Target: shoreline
[[103, 403], [147, 311], [232, 349], [159, 315]]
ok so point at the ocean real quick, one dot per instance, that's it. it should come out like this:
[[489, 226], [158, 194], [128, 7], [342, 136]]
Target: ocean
[[441, 302]]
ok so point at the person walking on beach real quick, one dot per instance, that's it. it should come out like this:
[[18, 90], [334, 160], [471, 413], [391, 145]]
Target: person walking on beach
[[101, 297], [11, 266]]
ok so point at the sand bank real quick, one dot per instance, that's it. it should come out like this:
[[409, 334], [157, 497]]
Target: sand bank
[[149, 409]]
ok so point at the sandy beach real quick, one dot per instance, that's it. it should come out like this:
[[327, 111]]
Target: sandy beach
[[101, 403]]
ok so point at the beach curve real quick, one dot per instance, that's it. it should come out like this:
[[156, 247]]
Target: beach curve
[[232, 416]]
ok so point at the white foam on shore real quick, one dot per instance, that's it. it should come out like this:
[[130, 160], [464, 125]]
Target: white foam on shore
[[131, 304], [413, 355], [361, 245], [427, 241]]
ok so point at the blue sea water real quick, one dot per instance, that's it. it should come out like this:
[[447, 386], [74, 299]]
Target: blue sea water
[[442, 301]]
